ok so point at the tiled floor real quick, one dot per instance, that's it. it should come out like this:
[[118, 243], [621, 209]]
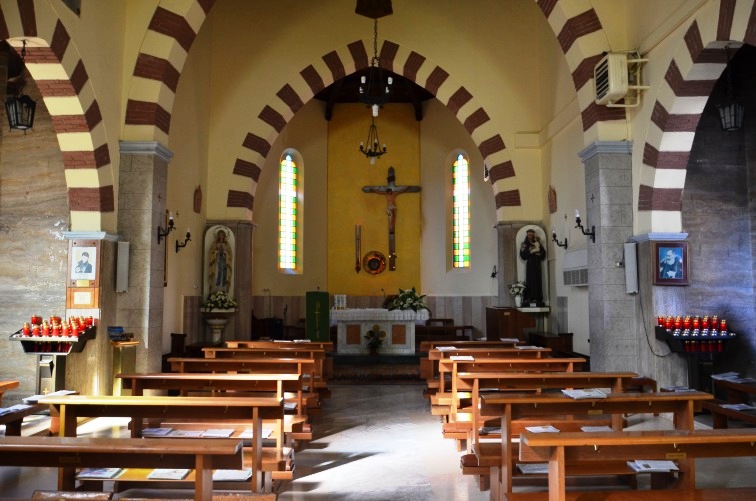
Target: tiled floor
[[375, 443]]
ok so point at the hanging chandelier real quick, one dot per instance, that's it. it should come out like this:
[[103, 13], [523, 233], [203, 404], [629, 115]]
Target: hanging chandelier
[[374, 90], [19, 107], [372, 147]]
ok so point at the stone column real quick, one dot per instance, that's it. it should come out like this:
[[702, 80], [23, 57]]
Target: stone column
[[142, 193], [612, 312]]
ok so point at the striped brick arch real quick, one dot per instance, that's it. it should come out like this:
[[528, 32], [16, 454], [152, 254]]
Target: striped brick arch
[[352, 58], [583, 41], [694, 70], [59, 73]]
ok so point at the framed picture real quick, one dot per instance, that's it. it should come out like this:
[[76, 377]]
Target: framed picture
[[671, 263], [83, 263]]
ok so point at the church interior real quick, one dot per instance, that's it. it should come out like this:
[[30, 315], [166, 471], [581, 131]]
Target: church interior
[[384, 180]]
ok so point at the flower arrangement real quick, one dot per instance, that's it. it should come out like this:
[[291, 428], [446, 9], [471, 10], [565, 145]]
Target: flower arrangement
[[375, 337], [408, 300], [220, 300], [517, 288]]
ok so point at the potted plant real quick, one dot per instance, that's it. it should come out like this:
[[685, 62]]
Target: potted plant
[[220, 300], [375, 337], [517, 290], [408, 300]]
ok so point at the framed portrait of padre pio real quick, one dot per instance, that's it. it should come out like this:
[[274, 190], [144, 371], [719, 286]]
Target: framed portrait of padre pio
[[671, 260]]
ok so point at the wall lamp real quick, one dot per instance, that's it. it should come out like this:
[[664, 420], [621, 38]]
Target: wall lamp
[[579, 225], [186, 240], [163, 233], [554, 238]]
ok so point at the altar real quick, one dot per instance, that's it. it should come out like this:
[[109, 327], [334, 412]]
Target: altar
[[399, 326]]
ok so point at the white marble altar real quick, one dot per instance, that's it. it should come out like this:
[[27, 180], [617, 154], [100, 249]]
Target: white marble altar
[[399, 326]]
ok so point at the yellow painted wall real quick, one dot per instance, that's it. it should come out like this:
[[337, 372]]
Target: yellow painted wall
[[348, 205]]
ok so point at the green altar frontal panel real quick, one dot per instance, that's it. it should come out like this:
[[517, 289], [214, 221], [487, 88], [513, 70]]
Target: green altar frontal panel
[[318, 320]]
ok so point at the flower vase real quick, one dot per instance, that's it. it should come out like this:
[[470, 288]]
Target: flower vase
[[518, 301]]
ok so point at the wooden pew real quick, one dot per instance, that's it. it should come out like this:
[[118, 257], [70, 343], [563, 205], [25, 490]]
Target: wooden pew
[[429, 365], [13, 419], [511, 407], [565, 450], [7, 386], [737, 393], [252, 410], [67, 453], [303, 366]]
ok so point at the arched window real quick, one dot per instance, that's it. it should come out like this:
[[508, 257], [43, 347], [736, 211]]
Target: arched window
[[461, 212], [288, 198]]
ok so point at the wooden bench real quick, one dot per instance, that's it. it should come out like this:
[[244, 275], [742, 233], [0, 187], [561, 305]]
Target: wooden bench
[[429, 365], [326, 346], [68, 453], [251, 410], [510, 407], [737, 393], [13, 419], [7, 386], [565, 450]]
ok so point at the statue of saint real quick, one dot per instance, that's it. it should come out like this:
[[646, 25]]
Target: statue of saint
[[533, 252], [220, 263]]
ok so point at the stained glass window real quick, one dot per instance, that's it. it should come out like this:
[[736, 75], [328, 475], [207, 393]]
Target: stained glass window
[[461, 212], [287, 214]]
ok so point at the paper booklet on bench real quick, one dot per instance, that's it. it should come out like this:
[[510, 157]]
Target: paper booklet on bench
[[533, 468], [266, 432], [99, 472], [446, 348], [738, 407], [186, 433], [542, 429], [35, 398], [586, 393], [218, 433], [231, 475], [13, 408], [462, 358], [647, 465], [168, 474], [725, 375], [509, 339], [156, 432], [592, 429], [527, 347]]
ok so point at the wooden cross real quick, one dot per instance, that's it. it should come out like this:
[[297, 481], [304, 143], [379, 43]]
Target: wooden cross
[[391, 191]]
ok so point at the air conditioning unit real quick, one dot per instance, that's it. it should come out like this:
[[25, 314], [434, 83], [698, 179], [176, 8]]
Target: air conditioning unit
[[610, 78], [486, 172], [575, 268]]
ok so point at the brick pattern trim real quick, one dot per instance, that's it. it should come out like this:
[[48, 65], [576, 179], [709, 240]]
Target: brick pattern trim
[[547, 6], [478, 118], [79, 77], [70, 123], [387, 54], [501, 171], [92, 199], [247, 169], [726, 14], [750, 34], [173, 25], [313, 79], [289, 96], [437, 77], [206, 5], [583, 74], [491, 145], [457, 100], [272, 118], [240, 199], [60, 40], [146, 113], [577, 27], [155, 68], [333, 61], [412, 65], [28, 17], [56, 88], [359, 55], [509, 198], [669, 199], [93, 115], [257, 144], [3, 26]]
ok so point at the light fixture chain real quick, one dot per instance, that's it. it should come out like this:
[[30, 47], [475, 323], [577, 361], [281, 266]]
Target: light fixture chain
[[375, 43]]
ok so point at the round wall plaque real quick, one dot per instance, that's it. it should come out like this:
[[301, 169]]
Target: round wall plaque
[[374, 262]]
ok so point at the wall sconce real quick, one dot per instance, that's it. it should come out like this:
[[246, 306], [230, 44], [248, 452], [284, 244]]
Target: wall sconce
[[163, 233], [186, 241], [554, 238], [579, 226]]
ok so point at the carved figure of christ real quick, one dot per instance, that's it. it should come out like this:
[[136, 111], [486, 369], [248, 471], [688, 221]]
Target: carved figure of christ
[[391, 191]]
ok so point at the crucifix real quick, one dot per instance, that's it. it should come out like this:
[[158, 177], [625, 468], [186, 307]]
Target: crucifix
[[391, 191]]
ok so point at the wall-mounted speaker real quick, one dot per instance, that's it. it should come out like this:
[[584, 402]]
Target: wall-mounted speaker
[[631, 268], [122, 267]]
